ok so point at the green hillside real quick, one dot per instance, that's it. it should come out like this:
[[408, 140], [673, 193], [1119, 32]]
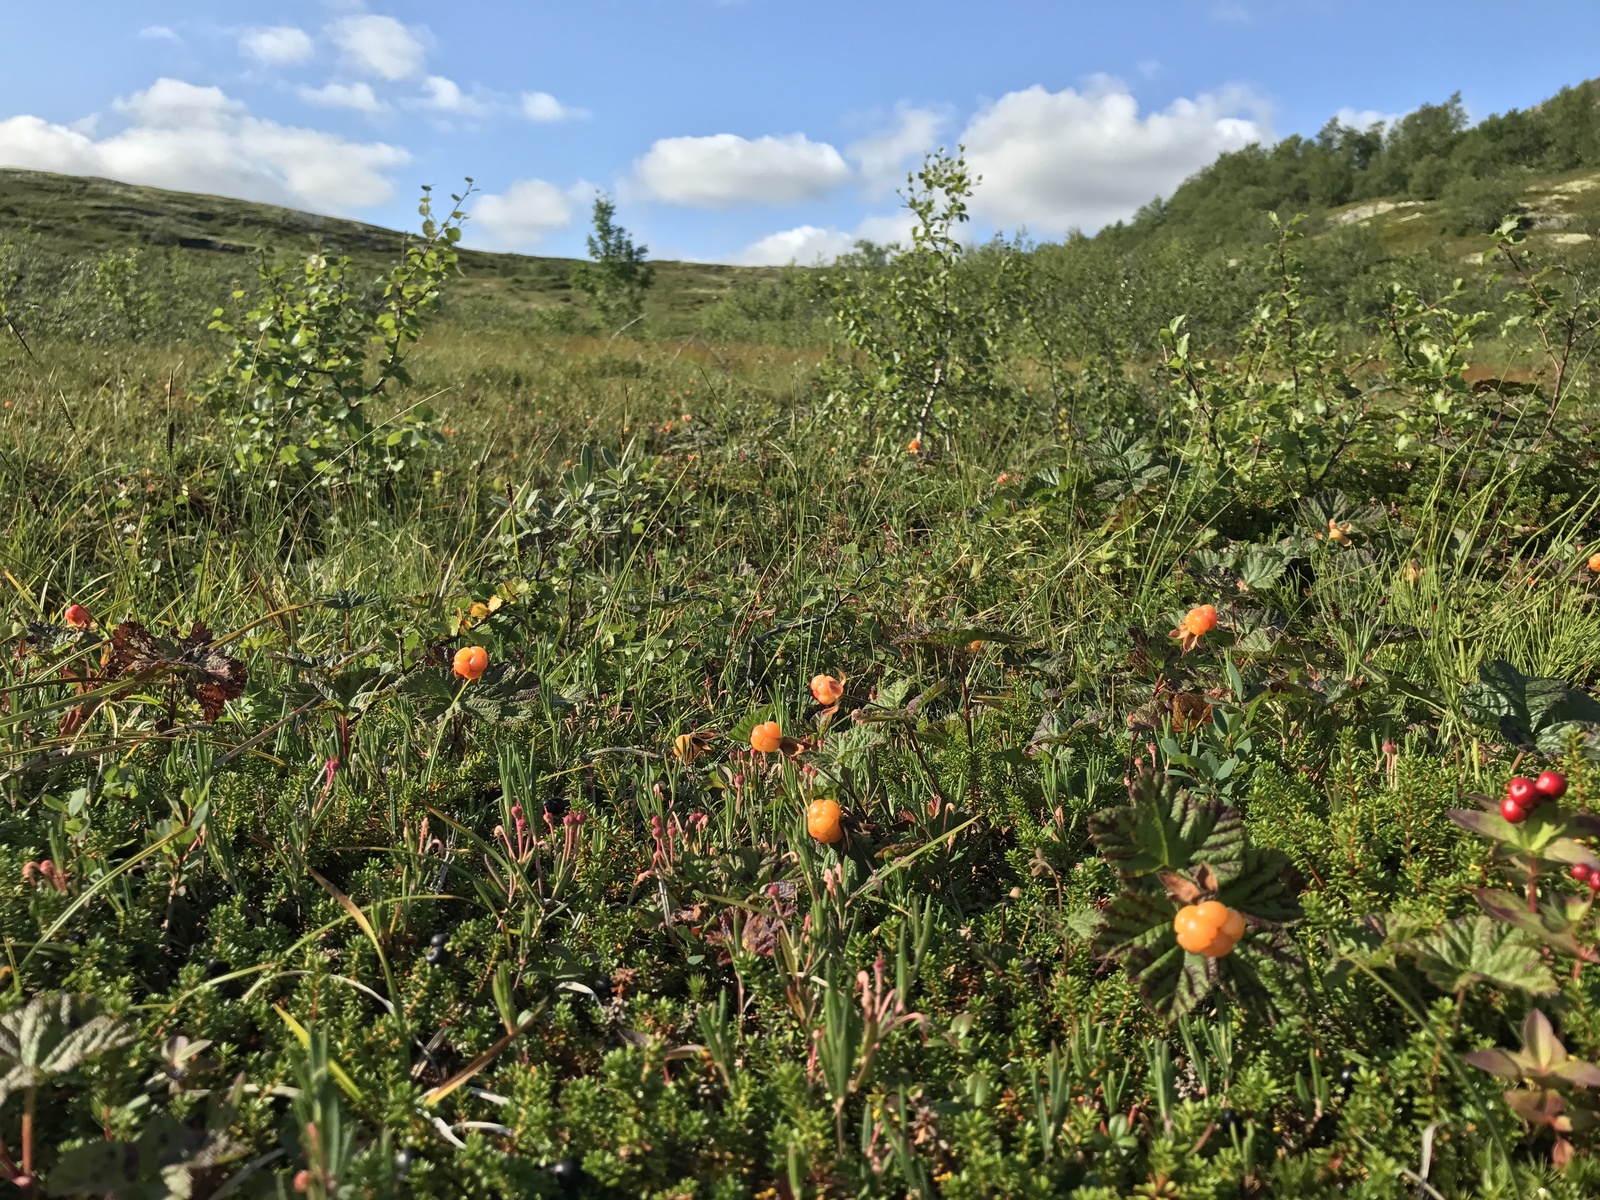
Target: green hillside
[[68, 218], [1416, 199], [1432, 162]]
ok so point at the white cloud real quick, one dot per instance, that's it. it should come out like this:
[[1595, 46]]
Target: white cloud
[[892, 230], [1054, 161], [159, 33], [445, 95], [358, 96], [1364, 118], [546, 109], [379, 46], [171, 104], [277, 45], [807, 245], [198, 139], [885, 156], [810, 245], [520, 217], [724, 170]]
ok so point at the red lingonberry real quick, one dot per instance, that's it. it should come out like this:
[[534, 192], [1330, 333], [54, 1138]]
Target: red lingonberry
[[1512, 811], [1523, 792], [1552, 785]]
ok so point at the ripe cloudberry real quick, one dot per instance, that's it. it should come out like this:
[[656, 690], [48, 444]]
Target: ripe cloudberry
[[1194, 933], [1197, 622], [823, 821], [826, 690], [78, 616], [766, 737], [471, 662], [1211, 928]]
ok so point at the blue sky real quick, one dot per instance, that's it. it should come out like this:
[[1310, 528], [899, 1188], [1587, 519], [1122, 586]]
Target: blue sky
[[733, 130]]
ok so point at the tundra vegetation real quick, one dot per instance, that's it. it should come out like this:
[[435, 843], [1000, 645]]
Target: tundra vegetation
[[1098, 719]]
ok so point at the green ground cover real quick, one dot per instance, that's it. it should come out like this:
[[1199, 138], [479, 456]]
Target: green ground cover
[[291, 906]]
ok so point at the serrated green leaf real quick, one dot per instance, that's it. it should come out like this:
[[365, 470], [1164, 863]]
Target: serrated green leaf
[[50, 1036], [1478, 949], [1167, 828]]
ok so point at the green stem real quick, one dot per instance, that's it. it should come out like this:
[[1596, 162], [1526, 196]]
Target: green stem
[[433, 755]]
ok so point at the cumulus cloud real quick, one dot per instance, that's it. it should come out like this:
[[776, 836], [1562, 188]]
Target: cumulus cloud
[[358, 96], [277, 45], [198, 139], [546, 109], [812, 245], [806, 245], [1055, 161], [725, 170], [445, 96], [884, 156], [380, 46], [520, 217]]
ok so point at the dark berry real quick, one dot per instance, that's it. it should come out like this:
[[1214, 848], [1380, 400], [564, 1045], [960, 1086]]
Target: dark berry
[[434, 956], [1347, 1078], [1523, 792], [1512, 811], [1552, 785], [568, 1173], [1579, 871], [439, 939], [402, 1163], [1227, 1120], [602, 988]]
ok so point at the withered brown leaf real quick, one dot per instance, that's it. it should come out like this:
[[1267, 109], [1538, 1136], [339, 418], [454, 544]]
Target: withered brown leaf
[[1190, 710], [206, 673], [761, 934]]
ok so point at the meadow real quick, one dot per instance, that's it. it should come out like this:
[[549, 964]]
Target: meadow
[[939, 725]]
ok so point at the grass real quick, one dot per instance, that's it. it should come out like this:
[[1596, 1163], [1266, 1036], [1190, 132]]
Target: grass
[[442, 938]]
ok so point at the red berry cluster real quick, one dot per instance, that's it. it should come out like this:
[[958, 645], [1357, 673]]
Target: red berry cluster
[[1525, 795], [1583, 873]]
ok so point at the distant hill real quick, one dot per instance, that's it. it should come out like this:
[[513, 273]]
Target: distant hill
[[1429, 185], [79, 217], [1541, 162]]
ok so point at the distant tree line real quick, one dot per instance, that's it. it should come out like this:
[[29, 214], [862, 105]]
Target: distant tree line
[[1429, 154]]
